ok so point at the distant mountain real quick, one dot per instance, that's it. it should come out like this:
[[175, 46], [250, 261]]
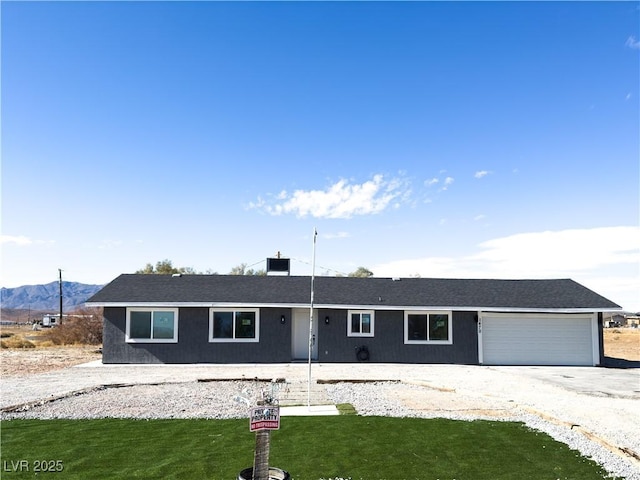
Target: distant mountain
[[47, 297]]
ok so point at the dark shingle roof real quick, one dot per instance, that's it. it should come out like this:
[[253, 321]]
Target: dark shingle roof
[[351, 291]]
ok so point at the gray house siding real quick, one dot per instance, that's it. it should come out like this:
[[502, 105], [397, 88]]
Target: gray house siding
[[387, 345], [334, 346], [193, 344], [192, 339], [113, 346]]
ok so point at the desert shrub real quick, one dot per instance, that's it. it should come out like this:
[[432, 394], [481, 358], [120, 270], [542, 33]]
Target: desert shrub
[[6, 334], [84, 329], [16, 341]]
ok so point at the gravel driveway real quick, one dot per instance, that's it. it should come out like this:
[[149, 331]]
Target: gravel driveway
[[594, 410]]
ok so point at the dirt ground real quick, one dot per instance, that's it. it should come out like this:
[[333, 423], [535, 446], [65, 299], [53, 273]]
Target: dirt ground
[[43, 356], [621, 343], [25, 361]]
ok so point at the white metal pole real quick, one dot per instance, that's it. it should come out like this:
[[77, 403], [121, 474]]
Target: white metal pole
[[313, 273]]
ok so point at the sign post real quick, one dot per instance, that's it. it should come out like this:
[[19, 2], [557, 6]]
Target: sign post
[[263, 417]]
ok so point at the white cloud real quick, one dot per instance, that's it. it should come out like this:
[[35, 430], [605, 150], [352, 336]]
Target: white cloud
[[22, 241], [447, 181], [337, 235], [571, 251], [481, 173], [632, 43], [431, 181], [628, 97], [109, 244], [340, 200], [19, 240], [477, 218], [606, 258], [435, 181]]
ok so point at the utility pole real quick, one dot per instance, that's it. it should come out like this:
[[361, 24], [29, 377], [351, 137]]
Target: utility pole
[[60, 285]]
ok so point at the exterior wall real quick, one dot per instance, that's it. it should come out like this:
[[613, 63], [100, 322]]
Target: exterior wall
[[193, 341], [334, 346], [387, 346]]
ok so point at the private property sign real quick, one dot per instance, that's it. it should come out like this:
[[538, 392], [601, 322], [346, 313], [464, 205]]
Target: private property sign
[[265, 418]]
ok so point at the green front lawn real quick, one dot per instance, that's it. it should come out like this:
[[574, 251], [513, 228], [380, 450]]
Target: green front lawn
[[310, 448]]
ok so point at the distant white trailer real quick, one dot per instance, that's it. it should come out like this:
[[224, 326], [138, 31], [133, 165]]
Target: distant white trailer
[[49, 321]]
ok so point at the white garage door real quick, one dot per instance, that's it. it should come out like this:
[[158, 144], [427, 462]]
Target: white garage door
[[512, 339]]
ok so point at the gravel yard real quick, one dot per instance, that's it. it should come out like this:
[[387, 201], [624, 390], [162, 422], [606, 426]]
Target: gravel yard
[[592, 410]]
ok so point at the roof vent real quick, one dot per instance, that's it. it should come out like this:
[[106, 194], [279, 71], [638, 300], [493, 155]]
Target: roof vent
[[176, 275]]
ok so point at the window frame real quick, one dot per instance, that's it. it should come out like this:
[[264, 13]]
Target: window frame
[[235, 311], [151, 339], [351, 333], [449, 340]]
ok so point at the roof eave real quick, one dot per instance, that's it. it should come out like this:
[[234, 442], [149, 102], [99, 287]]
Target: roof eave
[[356, 307]]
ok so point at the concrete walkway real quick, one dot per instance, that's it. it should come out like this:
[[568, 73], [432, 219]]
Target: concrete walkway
[[309, 411]]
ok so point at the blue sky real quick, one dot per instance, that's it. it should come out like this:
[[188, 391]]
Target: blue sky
[[486, 140]]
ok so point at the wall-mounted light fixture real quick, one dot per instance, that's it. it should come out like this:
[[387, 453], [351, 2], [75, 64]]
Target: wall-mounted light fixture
[[326, 320], [283, 319]]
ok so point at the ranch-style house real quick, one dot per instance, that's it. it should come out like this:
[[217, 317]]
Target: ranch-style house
[[266, 319]]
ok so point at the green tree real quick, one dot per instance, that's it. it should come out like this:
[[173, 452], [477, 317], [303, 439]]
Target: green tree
[[165, 267], [362, 272], [243, 270]]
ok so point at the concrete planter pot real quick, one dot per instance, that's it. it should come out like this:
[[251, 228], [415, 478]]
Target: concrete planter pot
[[274, 474]]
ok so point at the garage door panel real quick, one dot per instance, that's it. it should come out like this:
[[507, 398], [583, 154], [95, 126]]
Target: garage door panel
[[543, 340]]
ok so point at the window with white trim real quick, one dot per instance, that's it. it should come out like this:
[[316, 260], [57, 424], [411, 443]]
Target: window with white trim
[[234, 325], [360, 323], [428, 327], [152, 325]]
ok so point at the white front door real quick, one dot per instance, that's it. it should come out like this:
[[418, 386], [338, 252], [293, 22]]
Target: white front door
[[300, 335]]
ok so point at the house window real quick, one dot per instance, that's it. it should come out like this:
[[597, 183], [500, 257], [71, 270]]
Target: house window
[[231, 325], [152, 325], [428, 327], [360, 323]]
